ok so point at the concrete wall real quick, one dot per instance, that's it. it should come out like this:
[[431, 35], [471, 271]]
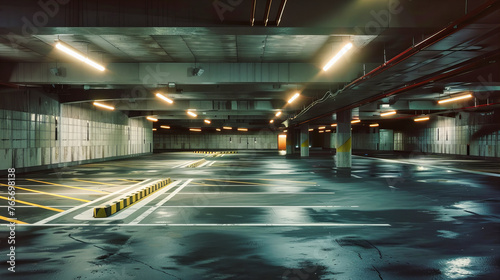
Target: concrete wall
[[216, 141], [36, 132], [464, 133]]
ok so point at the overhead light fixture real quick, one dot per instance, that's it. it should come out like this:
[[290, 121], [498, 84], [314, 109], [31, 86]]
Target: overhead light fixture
[[388, 113], [242, 129], [164, 98], [191, 114], [385, 106], [227, 127], [271, 121], [374, 125], [285, 130], [295, 96], [282, 136], [195, 129], [421, 119], [278, 114], [328, 130], [333, 125], [103, 106], [207, 121], [355, 121], [154, 129], [455, 98], [311, 129], [152, 119], [321, 127], [217, 129], [79, 56], [165, 126], [342, 52], [321, 131]]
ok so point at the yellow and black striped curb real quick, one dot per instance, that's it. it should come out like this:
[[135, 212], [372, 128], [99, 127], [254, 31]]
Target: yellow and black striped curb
[[214, 152], [197, 163], [107, 210]]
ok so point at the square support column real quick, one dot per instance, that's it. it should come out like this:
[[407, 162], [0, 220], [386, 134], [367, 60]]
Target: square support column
[[304, 141], [344, 144]]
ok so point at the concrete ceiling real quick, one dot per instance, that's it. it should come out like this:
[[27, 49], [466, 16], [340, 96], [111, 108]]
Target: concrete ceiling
[[250, 71]]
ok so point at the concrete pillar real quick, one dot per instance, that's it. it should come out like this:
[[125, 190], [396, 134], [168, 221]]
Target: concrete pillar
[[304, 141], [289, 141], [344, 144], [333, 139]]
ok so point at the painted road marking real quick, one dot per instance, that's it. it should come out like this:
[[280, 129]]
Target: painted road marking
[[163, 201], [300, 182], [239, 182], [66, 186], [205, 163], [435, 166], [127, 211], [33, 204], [12, 220], [92, 182], [212, 163], [250, 193], [46, 193], [183, 165], [258, 206], [51, 218], [129, 180], [211, 225]]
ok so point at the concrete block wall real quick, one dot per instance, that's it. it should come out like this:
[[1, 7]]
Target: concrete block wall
[[216, 141], [36, 132]]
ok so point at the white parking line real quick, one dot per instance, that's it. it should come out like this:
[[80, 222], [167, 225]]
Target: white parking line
[[259, 193], [152, 209], [183, 165], [205, 163], [206, 225], [258, 206], [51, 218], [212, 163]]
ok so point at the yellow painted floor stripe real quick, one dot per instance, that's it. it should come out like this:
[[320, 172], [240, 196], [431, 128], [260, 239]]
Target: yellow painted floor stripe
[[300, 182], [92, 182], [11, 220], [239, 182], [129, 180], [52, 194], [33, 204], [66, 186]]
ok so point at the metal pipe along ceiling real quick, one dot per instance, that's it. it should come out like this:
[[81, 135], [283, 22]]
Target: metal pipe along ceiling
[[268, 10], [252, 16], [280, 12]]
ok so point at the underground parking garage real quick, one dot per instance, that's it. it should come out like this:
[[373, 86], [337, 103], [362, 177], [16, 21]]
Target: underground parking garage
[[250, 139]]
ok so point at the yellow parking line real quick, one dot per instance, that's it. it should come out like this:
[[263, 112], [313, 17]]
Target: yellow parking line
[[301, 182], [33, 204], [240, 182], [66, 186], [129, 180], [11, 220], [52, 194], [92, 182]]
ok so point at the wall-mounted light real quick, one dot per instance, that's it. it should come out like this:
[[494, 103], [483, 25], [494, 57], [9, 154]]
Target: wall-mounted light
[[103, 106], [165, 126], [454, 98], [152, 119], [207, 121], [374, 125], [295, 96], [355, 121], [388, 113], [191, 114], [422, 119], [342, 52], [76, 54], [164, 98]]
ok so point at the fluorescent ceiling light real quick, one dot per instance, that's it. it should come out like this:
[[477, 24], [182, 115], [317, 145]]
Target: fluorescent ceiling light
[[218, 129], [328, 130], [421, 119], [355, 121], [374, 125], [207, 121], [278, 114], [282, 135], [165, 126], [337, 56], [227, 127], [192, 114], [333, 125], [154, 129], [322, 127], [79, 56], [388, 113], [195, 129], [103, 106], [455, 98], [285, 130], [164, 98], [152, 119], [311, 129], [271, 121], [295, 96], [242, 129], [321, 131]]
